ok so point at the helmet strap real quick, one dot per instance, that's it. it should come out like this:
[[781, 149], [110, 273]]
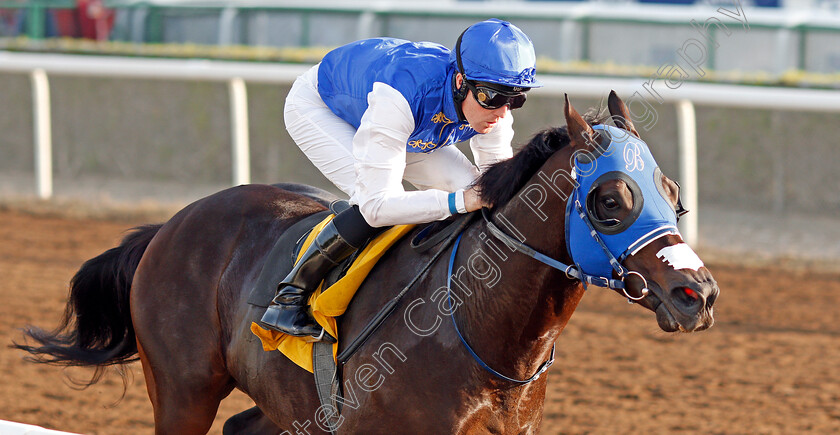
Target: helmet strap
[[458, 53], [459, 94]]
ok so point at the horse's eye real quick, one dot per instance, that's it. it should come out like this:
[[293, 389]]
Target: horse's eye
[[610, 203]]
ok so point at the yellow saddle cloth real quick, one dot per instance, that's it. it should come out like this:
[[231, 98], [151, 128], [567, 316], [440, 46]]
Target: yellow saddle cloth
[[330, 303]]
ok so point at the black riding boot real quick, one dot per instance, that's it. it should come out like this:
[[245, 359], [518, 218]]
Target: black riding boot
[[288, 312]]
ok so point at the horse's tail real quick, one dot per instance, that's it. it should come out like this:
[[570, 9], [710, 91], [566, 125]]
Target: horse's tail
[[96, 328]]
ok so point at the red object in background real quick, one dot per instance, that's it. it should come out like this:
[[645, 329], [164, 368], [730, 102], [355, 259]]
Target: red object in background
[[65, 22], [95, 20], [90, 19]]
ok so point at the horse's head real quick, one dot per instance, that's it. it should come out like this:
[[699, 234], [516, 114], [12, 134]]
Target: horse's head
[[622, 223]]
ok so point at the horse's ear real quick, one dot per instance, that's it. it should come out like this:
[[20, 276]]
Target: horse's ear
[[580, 132], [620, 114]]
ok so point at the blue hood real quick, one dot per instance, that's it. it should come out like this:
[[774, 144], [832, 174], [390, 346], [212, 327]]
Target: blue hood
[[628, 158]]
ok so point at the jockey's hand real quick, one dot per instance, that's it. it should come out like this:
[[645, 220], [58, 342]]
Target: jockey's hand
[[473, 201]]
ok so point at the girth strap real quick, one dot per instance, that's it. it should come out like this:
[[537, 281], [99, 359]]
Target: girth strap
[[327, 382]]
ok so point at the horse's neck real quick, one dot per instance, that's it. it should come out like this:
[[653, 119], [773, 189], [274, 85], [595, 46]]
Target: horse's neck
[[520, 305]]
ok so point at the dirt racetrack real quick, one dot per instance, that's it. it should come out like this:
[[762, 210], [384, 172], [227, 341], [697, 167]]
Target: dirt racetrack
[[769, 365]]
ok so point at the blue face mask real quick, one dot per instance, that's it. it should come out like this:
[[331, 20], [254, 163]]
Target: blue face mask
[[629, 159]]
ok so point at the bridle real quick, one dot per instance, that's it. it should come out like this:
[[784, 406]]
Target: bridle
[[572, 271]]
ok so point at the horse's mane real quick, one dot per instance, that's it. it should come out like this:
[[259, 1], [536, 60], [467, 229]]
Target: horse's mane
[[500, 182]]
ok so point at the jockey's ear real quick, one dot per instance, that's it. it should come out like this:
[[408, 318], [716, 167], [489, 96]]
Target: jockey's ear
[[580, 132], [620, 114]]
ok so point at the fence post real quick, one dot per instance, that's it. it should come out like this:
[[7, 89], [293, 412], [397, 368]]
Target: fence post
[[239, 131], [687, 130], [42, 132], [227, 25], [36, 14]]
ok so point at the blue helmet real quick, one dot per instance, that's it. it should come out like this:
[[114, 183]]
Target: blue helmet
[[496, 51]]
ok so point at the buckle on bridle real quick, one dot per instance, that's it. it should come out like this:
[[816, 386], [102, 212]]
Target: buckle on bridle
[[645, 290]]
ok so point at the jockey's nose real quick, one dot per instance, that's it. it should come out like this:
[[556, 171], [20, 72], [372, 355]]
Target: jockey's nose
[[501, 112]]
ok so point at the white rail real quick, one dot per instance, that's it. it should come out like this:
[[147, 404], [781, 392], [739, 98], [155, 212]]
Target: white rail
[[43, 132], [13, 428], [239, 131], [39, 66], [236, 74], [687, 130]]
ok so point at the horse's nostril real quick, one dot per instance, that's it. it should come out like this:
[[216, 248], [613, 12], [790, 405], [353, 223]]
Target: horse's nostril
[[687, 296], [710, 301]]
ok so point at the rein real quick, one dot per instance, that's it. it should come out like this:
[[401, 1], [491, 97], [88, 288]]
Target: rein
[[571, 271], [456, 228], [542, 368]]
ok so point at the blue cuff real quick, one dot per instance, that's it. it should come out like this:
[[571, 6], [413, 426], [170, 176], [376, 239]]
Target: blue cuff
[[452, 208]]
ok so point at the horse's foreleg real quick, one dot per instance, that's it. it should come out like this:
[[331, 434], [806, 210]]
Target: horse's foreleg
[[251, 422]]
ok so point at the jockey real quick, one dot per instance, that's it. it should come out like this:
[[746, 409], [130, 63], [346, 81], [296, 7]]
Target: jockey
[[379, 111]]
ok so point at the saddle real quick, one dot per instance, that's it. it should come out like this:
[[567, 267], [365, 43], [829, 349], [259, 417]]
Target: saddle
[[331, 299], [286, 249]]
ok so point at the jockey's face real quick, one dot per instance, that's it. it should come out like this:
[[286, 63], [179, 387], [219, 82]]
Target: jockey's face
[[481, 120]]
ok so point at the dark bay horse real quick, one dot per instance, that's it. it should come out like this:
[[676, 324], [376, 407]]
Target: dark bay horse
[[174, 296]]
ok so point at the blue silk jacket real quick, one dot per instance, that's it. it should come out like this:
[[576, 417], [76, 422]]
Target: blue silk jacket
[[420, 71]]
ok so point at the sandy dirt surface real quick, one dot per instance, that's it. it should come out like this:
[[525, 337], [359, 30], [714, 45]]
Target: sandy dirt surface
[[768, 366]]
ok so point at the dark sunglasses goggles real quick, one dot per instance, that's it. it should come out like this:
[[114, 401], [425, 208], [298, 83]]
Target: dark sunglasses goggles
[[490, 98]]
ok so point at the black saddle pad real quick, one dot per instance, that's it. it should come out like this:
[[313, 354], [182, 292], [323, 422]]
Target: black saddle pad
[[282, 257]]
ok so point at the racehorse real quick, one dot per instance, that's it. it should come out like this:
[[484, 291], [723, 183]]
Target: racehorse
[[174, 297]]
